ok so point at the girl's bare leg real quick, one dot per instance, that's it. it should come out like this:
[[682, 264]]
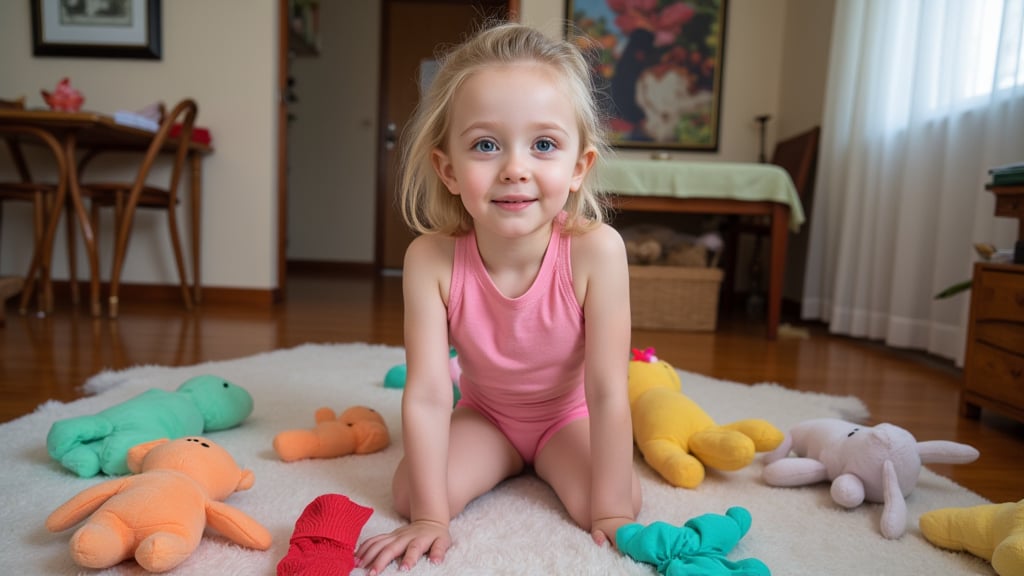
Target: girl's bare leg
[[564, 463], [479, 457]]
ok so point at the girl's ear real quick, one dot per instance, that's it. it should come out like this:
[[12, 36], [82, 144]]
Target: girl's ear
[[443, 167], [583, 165]]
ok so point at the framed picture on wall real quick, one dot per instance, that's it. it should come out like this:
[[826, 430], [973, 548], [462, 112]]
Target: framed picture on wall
[[657, 65], [96, 28]]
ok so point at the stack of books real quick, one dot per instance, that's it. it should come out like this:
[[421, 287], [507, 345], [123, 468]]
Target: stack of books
[[1008, 174]]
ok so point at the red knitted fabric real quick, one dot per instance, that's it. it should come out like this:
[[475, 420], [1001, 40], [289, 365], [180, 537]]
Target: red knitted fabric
[[325, 538]]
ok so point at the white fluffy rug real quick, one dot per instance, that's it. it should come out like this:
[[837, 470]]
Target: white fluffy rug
[[517, 529]]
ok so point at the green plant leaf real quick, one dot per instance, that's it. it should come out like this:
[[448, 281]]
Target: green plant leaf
[[954, 290]]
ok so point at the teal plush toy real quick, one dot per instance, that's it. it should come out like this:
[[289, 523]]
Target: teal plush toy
[[395, 377], [88, 445], [699, 547]]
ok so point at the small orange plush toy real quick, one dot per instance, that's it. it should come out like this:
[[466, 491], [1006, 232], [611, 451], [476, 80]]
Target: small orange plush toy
[[359, 430], [158, 514]]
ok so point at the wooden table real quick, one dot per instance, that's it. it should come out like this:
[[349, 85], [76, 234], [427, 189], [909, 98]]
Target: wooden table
[[93, 133], [726, 188]]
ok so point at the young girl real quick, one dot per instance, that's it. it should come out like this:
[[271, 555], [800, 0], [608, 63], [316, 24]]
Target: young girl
[[514, 268]]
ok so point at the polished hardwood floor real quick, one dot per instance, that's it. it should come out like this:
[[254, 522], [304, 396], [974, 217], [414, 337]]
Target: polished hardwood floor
[[49, 358]]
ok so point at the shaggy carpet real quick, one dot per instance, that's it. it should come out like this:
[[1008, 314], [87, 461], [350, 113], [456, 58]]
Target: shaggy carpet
[[519, 528]]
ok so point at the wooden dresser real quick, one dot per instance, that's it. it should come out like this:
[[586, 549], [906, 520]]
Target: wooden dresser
[[994, 365]]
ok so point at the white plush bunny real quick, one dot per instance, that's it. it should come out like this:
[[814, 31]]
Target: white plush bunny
[[864, 463]]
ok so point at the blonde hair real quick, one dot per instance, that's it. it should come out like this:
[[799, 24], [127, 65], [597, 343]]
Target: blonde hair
[[425, 202]]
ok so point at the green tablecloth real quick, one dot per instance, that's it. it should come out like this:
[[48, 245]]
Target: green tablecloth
[[722, 180]]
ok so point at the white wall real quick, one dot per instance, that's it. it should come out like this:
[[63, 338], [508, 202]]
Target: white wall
[[222, 54]]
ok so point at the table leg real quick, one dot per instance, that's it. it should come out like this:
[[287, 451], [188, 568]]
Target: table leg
[[197, 196], [780, 222], [85, 224]]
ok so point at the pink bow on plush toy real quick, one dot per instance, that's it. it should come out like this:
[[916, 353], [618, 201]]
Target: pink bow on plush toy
[[645, 355]]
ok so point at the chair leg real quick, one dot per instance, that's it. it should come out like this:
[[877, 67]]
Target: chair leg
[[34, 269], [72, 256], [172, 224], [123, 220]]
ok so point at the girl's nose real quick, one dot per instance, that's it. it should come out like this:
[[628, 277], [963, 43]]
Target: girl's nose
[[514, 171]]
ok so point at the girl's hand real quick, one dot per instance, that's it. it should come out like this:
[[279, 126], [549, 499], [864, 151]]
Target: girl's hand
[[406, 544]]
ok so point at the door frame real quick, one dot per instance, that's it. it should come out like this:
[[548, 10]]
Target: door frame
[[283, 63]]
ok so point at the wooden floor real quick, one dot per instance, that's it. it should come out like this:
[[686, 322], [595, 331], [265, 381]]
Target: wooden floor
[[49, 358]]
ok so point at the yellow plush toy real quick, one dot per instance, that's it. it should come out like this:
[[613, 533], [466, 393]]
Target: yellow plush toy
[[677, 437], [994, 532]]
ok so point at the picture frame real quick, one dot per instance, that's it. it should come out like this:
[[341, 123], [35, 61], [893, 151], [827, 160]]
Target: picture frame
[[657, 67], [84, 29]]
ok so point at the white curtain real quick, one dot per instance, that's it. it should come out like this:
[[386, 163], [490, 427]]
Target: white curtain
[[923, 97]]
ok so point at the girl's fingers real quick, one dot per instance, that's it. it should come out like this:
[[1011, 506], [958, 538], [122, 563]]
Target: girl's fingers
[[438, 550]]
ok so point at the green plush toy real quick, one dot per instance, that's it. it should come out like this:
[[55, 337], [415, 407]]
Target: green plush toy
[[699, 547], [88, 445]]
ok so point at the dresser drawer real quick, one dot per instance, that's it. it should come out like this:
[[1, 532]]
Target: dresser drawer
[[998, 295], [996, 374], [1008, 336]]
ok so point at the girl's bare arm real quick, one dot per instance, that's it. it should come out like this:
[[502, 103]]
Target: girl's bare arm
[[599, 258]]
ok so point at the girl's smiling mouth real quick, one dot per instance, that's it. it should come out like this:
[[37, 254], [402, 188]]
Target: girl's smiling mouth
[[514, 203]]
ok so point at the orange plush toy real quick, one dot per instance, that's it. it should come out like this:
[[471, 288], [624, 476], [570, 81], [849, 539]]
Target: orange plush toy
[[359, 430], [158, 514]]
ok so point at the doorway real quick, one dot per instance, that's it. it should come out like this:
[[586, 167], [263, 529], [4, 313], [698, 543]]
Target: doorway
[[411, 33], [422, 26]]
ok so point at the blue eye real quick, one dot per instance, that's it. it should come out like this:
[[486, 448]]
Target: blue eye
[[485, 146], [545, 145]]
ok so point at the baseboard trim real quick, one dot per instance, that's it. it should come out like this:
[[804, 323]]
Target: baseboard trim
[[164, 293], [331, 268]]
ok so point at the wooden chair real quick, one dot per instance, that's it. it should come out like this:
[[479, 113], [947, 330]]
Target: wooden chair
[[43, 197], [126, 197], [798, 155]]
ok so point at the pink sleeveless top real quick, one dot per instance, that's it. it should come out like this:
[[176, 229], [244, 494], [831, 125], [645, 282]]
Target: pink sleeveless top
[[521, 357]]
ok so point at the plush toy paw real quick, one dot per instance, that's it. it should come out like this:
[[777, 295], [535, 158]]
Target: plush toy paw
[[359, 430], [734, 446], [994, 532]]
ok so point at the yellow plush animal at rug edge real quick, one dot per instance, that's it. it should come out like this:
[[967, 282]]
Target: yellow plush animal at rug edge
[[994, 532], [677, 437]]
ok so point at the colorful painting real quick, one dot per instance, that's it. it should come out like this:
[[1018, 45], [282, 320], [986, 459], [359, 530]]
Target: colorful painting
[[658, 67]]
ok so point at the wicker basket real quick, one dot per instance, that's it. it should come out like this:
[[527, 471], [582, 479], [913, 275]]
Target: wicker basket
[[674, 297]]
